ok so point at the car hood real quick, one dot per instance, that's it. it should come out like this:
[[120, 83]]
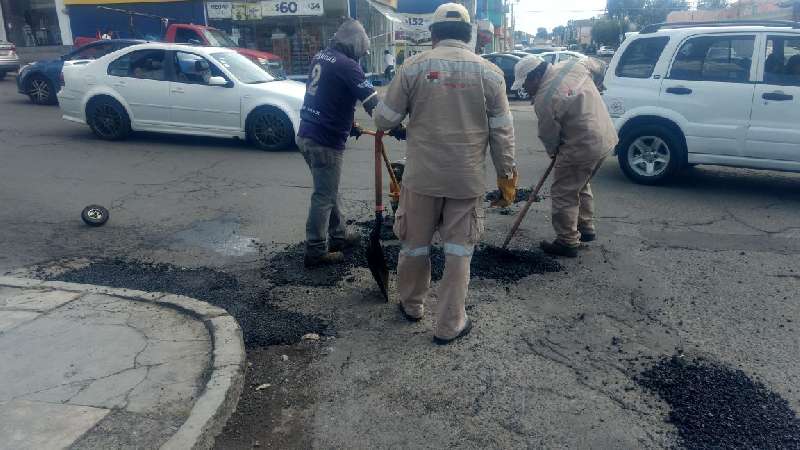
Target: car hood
[[284, 88], [256, 54]]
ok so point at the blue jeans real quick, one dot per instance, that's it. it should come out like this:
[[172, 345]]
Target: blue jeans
[[325, 218]]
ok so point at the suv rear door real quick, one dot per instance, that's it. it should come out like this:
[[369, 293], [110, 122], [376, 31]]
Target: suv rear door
[[710, 84], [774, 131]]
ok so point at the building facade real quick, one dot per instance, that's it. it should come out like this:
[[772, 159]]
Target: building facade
[[35, 23]]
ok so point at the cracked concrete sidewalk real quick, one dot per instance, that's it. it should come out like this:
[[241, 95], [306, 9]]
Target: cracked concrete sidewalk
[[91, 367]]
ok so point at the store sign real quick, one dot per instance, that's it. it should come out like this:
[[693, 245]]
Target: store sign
[[219, 10], [272, 8], [245, 11], [413, 27]]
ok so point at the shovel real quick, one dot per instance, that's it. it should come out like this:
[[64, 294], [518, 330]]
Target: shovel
[[534, 197], [375, 257]]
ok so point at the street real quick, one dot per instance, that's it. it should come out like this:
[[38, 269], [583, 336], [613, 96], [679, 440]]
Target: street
[[704, 267]]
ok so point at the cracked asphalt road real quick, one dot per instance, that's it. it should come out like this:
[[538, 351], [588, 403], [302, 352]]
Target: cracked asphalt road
[[707, 266]]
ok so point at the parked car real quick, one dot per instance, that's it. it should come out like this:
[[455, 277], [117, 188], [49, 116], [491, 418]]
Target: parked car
[[188, 33], [9, 60], [605, 51], [41, 80], [725, 93], [181, 89], [560, 56], [537, 50], [506, 63], [518, 53]]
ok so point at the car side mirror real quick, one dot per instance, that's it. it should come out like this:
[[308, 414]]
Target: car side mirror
[[217, 81]]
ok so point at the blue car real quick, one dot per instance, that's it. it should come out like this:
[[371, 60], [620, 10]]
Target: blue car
[[40, 81]]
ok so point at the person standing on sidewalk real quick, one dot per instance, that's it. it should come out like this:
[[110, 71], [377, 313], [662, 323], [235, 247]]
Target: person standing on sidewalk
[[458, 105], [335, 83], [388, 61], [576, 129]]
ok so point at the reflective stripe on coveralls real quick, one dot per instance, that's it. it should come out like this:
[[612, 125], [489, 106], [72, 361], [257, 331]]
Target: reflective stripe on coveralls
[[419, 251], [458, 250]]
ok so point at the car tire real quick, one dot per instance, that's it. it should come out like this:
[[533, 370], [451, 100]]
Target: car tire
[[94, 215], [268, 128], [651, 154], [41, 91], [522, 94], [108, 119]]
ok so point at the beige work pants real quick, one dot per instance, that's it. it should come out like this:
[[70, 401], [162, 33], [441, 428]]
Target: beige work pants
[[460, 224], [572, 200]]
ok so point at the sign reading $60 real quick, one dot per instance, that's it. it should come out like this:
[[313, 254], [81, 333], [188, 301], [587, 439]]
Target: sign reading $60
[[291, 8]]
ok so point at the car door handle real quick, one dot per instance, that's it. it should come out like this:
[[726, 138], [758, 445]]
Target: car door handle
[[679, 91], [177, 90], [777, 96]]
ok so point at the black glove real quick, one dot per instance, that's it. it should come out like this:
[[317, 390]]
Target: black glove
[[356, 131], [399, 132]]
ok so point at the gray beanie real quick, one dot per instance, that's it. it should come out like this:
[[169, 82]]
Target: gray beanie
[[352, 39]]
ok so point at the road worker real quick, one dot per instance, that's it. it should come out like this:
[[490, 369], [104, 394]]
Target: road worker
[[576, 129], [336, 81], [457, 104]]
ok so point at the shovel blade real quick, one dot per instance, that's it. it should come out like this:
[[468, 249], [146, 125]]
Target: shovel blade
[[376, 260]]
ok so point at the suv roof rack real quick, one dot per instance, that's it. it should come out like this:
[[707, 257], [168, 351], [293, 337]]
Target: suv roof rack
[[723, 23]]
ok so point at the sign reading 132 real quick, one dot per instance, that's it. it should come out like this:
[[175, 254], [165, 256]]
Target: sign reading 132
[[291, 8]]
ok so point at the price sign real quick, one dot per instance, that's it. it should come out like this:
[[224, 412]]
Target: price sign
[[291, 8], [219, 10]]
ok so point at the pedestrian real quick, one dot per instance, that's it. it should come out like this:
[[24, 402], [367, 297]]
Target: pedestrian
[[459, 106], [388, 61], [336, 81], [576, 129]]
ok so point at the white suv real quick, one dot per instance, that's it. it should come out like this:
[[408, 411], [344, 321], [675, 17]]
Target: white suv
[[725, 93]]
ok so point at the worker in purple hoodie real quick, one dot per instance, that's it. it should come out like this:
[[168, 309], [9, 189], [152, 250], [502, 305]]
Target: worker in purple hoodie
[[335, 83]]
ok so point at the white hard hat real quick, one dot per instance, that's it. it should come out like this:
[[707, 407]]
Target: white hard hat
[[524, 66], [450, 12]]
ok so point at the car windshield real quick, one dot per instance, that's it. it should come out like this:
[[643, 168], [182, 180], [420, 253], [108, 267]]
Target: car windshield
[[242, 68], [217, 38]]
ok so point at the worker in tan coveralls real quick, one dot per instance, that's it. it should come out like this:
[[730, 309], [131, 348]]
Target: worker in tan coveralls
[[577, 130], [457, 105]]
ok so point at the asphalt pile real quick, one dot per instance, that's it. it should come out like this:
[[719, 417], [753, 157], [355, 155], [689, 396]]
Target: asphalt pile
[[522, 195], [263, 323], [713, 406]]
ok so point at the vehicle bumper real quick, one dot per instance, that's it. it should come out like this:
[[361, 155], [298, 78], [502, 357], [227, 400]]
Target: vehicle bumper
[[9, 66], [71, 106]]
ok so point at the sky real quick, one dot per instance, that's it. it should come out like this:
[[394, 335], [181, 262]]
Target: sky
[[532, 14]]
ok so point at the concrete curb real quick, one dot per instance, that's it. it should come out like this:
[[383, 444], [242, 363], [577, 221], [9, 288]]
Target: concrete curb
[[226, 378]]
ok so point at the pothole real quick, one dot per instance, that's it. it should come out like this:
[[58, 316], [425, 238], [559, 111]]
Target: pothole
[[714, 406], [262, 322], [522, 195]]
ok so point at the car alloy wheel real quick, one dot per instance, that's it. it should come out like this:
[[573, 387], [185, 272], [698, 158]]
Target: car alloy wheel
[[40, 91], [107, 121], [269, 130], [649, 156]]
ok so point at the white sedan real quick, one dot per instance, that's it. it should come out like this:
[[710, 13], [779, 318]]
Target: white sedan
[[560, 56], [172, 88]]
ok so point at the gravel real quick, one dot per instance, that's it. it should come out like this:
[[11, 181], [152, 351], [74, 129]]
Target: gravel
[[522, 195], [262, 322], [714, 406]]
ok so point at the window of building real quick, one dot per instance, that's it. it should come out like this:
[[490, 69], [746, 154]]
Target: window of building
[[31, 23]]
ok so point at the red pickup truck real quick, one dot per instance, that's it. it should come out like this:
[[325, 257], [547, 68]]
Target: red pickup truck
[[203, 35]]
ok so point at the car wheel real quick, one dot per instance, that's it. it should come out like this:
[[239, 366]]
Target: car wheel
[[108, 119], [522, 94], [268, 128], [94, 215], [41, 91], [650, 154]]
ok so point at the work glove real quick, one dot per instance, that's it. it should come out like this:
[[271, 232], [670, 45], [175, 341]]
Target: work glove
[[356, 131], [508, 190], [399, 132]]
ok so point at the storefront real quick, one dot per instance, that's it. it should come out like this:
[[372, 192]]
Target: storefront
[[35, 23], [295, 30]]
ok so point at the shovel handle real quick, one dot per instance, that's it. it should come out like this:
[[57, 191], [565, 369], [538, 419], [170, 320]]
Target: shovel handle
[[384, 155], [378, 171], [532, 198]]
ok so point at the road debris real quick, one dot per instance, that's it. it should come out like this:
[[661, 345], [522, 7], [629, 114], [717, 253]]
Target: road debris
[[714, 406], [311, 337], [261, 387]]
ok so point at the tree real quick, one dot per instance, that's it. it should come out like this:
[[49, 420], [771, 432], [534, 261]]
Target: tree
[[541, 33], [606, 32], [560, 34], [645, 12], [707, 5]]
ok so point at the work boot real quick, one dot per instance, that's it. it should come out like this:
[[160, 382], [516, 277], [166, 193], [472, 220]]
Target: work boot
[[350, 241], [408, 316], [588, 236], [464, 331], [324, 260], [559, 249]]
